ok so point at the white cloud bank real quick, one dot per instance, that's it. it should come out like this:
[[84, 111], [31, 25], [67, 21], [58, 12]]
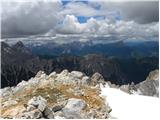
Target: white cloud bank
[[51, 17], [71, 25]]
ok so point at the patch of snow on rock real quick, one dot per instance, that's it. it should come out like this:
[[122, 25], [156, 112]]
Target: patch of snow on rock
[[126, 106]]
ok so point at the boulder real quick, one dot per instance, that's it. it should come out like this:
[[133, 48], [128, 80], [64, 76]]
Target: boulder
[[77, 74], [96, 79], [30, 108], [48, 113], [41, 74], [52, 75], [73, 109], [34, 114], [38, 102], [64, 73], [85, 80], [76, 105], [70, 114], [125, 88], [59, 115], [57, 107]]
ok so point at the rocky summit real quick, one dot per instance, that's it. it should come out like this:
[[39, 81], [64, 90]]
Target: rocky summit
[[67, 95], [148, 87], [70, 95]]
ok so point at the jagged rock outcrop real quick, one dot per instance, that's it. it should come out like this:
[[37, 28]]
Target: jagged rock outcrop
[[64, 95], [149, 87]]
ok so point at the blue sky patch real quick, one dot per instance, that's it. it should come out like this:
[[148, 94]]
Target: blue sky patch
[[82, 19]]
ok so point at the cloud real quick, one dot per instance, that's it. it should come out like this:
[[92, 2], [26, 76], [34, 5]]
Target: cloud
[[70, 25], [29, 18], [138, 11], [107, 27], [79, 9], [51, 17]]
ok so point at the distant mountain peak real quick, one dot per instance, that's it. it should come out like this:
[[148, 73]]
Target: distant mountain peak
[[19, 44], [20, 47]]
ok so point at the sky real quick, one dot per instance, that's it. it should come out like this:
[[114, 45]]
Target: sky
[[132, 19]]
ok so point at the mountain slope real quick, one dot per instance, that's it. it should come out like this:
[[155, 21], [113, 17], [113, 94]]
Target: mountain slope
[[73, 95], [20, 63], [64, 95]]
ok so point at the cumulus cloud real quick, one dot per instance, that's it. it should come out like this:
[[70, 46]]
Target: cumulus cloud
[[70, 25], [107, 27], [29, 18], [51, 17]]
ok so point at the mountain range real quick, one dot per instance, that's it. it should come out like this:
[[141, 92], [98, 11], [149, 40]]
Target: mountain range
[[21, 62]]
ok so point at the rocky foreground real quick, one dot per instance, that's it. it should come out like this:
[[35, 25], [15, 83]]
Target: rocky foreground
[[67, 95]]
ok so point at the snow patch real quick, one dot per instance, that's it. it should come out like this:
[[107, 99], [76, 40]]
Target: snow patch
[[126, 106]]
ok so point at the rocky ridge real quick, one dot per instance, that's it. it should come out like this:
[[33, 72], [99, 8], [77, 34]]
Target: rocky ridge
[[64, 95], [148, 87], [67, 95]]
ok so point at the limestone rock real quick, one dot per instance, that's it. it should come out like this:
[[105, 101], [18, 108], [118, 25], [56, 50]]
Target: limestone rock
[[75, 104], [48, 113], [52, 75], [153, 75], [6, 92], [38, 102], [64, 72], [85, 80], [149, 87], [57, 107], [30, 108], [41, 74], [70, 114], [59, 90], [77, 74], [34, 114], [96, 79]]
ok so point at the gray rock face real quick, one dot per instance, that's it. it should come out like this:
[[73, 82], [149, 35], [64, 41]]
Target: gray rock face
[[85, 80], [52, 75], [38, 102], [34, 114], [64, 72], [77, 74], [153, 75], [96, 79], [40, 74], [69, 114], [73, 109], [57, 107], [125, 88], [6, 92], [48, 113], [75, 104], [30, 108], [150, 87], [37, 108]]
